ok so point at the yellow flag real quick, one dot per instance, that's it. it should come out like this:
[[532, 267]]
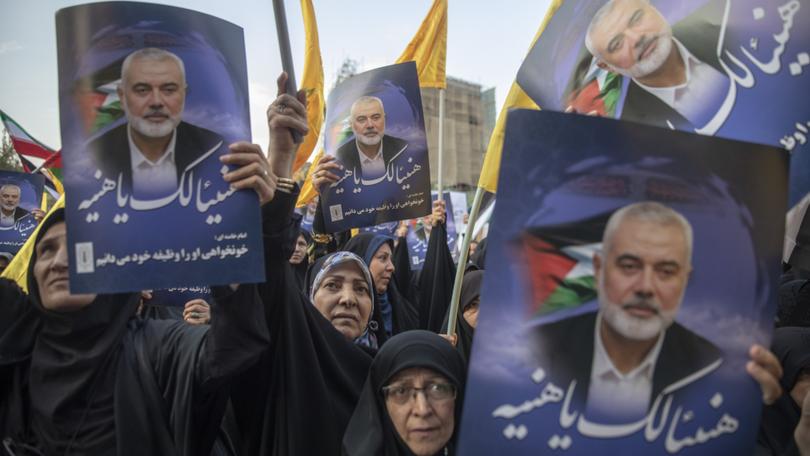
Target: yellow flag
[[17, 270], [516, 99], [308, 192], [312, 82], [428, 48]]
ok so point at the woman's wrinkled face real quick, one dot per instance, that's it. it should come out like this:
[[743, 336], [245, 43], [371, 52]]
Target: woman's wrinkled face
[[51, 272], [344, 298], [421, 404], [382, 268]]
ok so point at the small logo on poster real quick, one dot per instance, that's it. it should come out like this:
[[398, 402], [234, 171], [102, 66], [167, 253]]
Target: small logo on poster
[[84, 257], [336, 211]]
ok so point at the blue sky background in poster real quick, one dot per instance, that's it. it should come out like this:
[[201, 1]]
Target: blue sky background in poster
[[13, 236], [403, 191], [569, 170], [760, 49], [202, 234]]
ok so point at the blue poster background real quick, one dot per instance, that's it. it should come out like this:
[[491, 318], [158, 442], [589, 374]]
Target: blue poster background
[[405, 192], [418, 239], [765, 47], [205, 234], [566, 169], [13, 237]]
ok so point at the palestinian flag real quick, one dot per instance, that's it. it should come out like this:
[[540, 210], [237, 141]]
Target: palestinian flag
[[35, 156], [559, 263]]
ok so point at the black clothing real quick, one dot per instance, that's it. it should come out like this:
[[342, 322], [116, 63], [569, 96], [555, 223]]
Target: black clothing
[[349, 155], [564, 349], [298, 399], [435, 288], [792, 347], [470, 289], [112, 155], [99, 381], [370, 432]]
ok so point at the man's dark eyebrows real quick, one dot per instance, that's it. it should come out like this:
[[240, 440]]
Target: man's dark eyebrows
[[170, 85]]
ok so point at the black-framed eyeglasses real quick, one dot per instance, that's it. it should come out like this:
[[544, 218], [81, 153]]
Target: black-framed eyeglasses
[[434, 392]]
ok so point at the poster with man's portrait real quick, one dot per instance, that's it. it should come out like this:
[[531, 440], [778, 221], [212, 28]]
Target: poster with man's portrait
[[150, 97], [375, 128], [734, 69], [20, 196], [630, 269]]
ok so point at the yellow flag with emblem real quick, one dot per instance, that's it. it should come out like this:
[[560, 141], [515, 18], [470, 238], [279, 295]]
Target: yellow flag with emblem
[[516, 99]]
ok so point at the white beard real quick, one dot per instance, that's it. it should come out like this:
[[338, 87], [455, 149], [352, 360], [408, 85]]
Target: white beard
[[149, 128], [632, 327], [370, 140], [7, 208], [653, 62]]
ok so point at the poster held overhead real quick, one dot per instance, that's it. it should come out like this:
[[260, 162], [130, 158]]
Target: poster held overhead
[[150, 97], [375, 128], [613, 239], [20, 194]]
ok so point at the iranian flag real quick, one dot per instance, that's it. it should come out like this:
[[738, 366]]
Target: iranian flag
[[35, 156]]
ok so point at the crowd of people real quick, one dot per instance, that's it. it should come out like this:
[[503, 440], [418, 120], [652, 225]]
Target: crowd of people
[[340, 350]]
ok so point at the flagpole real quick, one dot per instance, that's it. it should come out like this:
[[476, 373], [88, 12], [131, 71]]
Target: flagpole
[[441, 144], [462, 262]]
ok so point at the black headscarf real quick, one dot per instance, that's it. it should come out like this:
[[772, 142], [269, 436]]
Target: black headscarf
[[791, 345], [370, 431], [478, 258], [404, 315], [73, 365], [302, 267], [470, 289]]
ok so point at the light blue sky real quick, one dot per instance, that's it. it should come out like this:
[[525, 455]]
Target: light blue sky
[[486, 44]]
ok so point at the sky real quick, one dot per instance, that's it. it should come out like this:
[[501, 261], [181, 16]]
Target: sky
[[487, 42]]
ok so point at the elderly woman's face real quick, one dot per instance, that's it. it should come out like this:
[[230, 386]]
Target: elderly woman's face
[[51, 272], [421, 405], [344, 298]]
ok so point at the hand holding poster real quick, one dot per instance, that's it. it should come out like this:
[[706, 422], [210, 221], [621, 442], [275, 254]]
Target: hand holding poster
[[611, 320], [375, 128], [151, 97], [20, 196]]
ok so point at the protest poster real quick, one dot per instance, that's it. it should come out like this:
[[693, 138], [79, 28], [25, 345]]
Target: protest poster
[[742, 66], [20, 194], [377, 112], [419, 234], [551, 309], [150, 98]]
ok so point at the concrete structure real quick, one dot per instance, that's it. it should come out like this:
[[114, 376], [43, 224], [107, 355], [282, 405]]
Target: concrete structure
[[469, 116]]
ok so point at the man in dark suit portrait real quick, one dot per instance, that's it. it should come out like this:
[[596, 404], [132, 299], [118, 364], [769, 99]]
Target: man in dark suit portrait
[[371, 151], [677, 80], [10, 210], [631, 350], [151, 152]]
